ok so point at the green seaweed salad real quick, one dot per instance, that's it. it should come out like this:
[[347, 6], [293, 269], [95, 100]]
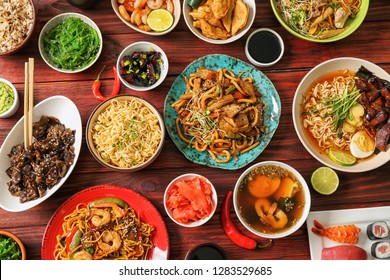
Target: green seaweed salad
[[72, 44], [9, 249]]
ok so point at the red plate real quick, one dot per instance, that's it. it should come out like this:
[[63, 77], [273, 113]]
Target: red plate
[[148, 214]]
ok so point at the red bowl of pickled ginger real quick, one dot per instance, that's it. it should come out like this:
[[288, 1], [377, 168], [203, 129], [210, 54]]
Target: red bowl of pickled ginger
[[190, 200]]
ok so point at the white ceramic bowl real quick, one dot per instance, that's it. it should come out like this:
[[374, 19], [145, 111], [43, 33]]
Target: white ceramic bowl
[[95, 114], [66, 111], [145, 47], [314, 74], [198, 33], [305, 189], [176, 18], [54, 22], [189, 176], [15, 105], [268, 46]]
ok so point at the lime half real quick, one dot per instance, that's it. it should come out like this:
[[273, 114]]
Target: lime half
[[159, 20], [324, 180], [341, 157]]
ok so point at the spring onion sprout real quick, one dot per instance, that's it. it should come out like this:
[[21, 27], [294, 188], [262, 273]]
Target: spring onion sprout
[[72, 44]]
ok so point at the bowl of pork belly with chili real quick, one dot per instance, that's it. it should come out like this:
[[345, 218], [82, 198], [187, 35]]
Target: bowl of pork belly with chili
[[341, 114], [271, 199]]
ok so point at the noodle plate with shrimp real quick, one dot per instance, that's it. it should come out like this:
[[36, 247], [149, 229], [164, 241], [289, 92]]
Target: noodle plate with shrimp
[[220, 113], [104, 229]]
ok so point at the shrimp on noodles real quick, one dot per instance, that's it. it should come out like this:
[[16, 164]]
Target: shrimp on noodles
[[104, 230]]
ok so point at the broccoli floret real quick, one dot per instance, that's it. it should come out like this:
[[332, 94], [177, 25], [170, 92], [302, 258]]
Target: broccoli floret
[[298, 19]]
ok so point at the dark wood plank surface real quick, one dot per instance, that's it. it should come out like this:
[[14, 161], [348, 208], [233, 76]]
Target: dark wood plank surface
[[370, 189]]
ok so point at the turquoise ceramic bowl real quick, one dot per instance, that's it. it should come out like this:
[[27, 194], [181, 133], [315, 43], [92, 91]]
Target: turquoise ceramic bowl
[[270, 98], [353, 24]]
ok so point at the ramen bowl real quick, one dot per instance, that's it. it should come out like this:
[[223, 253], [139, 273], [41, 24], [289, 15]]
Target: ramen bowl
[[271, 199], [140, 131], [322, 70], [352, 23], [192, 183]]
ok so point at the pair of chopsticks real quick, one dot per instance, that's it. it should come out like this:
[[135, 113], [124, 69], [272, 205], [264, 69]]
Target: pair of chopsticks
[[28, 101]]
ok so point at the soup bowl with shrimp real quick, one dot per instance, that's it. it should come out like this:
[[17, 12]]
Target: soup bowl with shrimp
[[271, 199]]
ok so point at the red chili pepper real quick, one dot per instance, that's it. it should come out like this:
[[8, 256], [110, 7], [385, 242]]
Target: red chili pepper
[[96, 86], [231, 231]]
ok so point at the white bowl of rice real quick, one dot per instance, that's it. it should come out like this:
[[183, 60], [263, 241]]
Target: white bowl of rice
[[125, 133], [17, 24], [316, 127]]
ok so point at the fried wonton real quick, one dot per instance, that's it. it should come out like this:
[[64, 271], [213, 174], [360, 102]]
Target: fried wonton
[[210, 31], [227, 19], [240, 16], [220, 7]]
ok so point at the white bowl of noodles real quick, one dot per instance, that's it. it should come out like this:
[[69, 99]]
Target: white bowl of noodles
[[318, 145], [125, 133]]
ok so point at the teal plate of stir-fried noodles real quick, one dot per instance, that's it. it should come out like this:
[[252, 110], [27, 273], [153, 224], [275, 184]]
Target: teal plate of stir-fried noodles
[[269, 98]]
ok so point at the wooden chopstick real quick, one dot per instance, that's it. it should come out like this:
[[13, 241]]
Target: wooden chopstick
[[28, 101]]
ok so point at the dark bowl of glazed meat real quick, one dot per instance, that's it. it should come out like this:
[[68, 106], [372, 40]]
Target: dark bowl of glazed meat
[[142, 66]]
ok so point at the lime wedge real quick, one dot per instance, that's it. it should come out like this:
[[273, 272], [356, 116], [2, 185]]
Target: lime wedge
[[159, 20], [324, 180], [341, 157]]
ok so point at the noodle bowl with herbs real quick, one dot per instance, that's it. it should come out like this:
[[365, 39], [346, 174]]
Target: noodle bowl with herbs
[[126, 133], [317, 116]]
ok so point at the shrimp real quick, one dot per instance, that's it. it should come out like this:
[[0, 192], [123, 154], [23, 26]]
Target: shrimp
[[345, 233], [170, 6], [100, 217], [82, 255], [110, 241], [270, 214], [139, 4], [136, 17], [144, 15], [155, 4]]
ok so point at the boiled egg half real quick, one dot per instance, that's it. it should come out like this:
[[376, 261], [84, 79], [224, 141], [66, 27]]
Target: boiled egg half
[[362, 145]]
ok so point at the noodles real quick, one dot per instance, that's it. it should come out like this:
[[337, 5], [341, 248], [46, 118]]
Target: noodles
[[319, 19], [126, 133], [317, 117], [103, 231], [220, 113]]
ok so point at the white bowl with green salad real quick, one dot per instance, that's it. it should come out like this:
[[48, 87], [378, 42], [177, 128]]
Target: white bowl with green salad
[[60, 50]]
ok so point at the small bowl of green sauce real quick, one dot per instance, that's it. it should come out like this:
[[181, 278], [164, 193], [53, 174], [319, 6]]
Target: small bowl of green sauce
[[11, 247], [9, 99]]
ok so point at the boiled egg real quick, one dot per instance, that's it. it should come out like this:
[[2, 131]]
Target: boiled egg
[[362, 145]]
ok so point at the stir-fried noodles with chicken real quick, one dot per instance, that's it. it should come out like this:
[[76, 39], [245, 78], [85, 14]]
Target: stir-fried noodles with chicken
[[104, 229], [319, 19], [220, 113]]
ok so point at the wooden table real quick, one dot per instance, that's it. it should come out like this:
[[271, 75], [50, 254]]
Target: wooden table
[[370, 189]]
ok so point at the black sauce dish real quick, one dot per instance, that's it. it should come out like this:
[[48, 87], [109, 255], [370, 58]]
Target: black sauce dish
[[264, 47]]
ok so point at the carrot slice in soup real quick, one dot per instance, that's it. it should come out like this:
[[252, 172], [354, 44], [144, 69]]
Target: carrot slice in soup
[[262, 186]]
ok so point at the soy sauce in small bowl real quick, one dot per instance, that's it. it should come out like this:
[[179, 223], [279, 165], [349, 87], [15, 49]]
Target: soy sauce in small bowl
[[206, 251], [264, 47]]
